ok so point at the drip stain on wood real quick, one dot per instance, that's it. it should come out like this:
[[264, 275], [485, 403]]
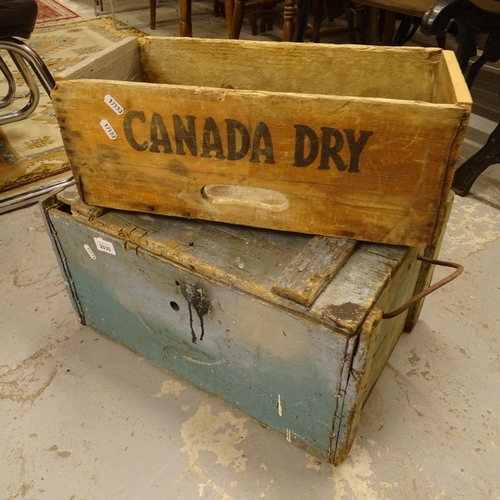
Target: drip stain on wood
[[198, 299]]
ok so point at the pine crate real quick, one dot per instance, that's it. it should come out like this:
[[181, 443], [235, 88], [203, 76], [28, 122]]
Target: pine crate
[[337, 140]]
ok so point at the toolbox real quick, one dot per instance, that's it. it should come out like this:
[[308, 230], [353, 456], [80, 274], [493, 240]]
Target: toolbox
[[286, 327]]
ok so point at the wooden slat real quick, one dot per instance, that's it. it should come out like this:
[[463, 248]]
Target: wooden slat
[[356, 288], [343, 70], [120, 62], [313, 268]]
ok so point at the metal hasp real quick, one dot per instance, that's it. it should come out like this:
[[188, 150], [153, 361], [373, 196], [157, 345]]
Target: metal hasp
[[471, 20]]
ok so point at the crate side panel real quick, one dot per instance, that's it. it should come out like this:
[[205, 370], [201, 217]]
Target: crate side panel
[[366, 170], [346, 70], [118, 62], [377, 340]]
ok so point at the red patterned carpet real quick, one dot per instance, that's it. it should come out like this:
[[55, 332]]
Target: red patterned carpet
[[50, 10]]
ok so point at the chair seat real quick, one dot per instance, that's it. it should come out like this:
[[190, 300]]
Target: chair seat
[[17, 18]]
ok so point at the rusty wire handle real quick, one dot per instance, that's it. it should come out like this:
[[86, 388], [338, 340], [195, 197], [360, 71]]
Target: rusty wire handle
[[459, 268]]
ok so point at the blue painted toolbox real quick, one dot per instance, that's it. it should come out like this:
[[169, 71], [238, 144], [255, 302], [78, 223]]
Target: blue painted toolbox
[[285, 327]]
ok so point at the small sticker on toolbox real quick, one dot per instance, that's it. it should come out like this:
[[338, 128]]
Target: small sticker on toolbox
[[104, 246], [108, 129], [90, 252], [113, 104]]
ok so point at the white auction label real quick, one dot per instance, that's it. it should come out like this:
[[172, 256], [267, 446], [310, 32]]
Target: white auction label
[[104, 246], [108, 129], [90, 252], [110, 101]]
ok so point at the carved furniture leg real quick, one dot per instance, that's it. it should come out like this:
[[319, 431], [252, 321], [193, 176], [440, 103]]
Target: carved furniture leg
[[289, 21]]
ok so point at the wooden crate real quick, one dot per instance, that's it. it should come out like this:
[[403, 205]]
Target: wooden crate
[[283, 326], [337, 140]]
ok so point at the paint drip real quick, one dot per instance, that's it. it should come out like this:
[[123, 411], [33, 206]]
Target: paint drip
[[198, 300]]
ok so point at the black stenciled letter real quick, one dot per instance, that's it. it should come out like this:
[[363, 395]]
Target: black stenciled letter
[[301, 132], [262, 134], [328, 151], [356, 146], [183, 135], [232, 127], [127, 129], [158, 126], [211, 130]]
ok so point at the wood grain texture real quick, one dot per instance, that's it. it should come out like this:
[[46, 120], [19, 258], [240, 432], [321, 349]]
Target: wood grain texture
[[118, 62], [234, 64], [358, 167], [427, 270], [304, 372], [375, 343], [308, 274]]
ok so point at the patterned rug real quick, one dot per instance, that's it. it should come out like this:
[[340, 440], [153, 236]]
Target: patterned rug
[[50, 10], [32, 149]]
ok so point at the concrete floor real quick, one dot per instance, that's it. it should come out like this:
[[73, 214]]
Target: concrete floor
[[83, 418]]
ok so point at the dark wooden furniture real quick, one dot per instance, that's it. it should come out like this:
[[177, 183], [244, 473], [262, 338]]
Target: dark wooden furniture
[[236, 9], [471, 21]]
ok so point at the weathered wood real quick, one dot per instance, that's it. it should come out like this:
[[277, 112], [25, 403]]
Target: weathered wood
[[118, 62], [70, 197], [195, 299], [260, 154], [351, 295], [427, 270], [308, 274], [360, 71], [375, 343]]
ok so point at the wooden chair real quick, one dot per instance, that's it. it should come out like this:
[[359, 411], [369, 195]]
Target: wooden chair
[[185, 26], [321, 10], [263, 10]]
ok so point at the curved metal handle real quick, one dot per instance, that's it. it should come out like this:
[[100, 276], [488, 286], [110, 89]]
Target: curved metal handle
[[459, 268]]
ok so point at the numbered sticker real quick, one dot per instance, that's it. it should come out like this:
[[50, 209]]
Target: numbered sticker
[[104, 246], [108, 129], [90, 252], [113, 104]]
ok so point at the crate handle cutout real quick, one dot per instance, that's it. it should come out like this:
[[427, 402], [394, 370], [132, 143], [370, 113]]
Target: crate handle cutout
[[265, 199], [459, 268]]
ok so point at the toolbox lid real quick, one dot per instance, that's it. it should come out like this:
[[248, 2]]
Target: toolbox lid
[[331, 280]]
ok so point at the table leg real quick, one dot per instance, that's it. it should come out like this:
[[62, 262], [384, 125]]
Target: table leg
[[152, 13], [185, 15], [389, 27]]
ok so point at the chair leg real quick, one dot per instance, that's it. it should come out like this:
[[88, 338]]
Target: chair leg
[[152, 14], [35, 61], [186, 27], [10, 82], [22, 53], [289, 21], [20, 114], [237, 19]]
